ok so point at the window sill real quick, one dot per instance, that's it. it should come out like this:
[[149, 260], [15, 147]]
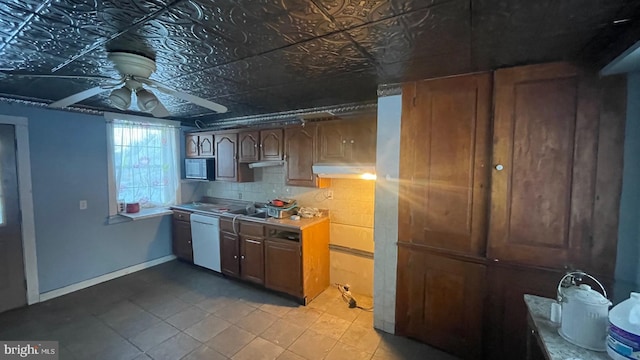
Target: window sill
[[142, 214]]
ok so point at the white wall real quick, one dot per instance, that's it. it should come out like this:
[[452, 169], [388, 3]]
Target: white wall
[[386, 212]]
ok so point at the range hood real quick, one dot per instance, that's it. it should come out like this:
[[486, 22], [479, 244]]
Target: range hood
[[261, 164], [345, 171]]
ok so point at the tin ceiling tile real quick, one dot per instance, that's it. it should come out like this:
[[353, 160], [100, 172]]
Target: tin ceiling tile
[[439, 29], [326, 56], [28, 5], [291, 20]]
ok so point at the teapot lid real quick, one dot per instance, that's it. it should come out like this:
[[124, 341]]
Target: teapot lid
[[584, 294]]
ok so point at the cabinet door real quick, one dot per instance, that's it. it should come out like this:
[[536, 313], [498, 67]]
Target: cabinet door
[[440, 301], [363, 133], [543, 177], [283, 270], [226, 157], [206, 145], [182, 240], [248, 146], [444, 164], [299, 156], [229, 254], [506, 325], [334, 142], [271, 144], [252, 259], [192, 145]]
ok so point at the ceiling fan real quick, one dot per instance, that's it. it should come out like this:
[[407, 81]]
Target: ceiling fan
[[135, 71]]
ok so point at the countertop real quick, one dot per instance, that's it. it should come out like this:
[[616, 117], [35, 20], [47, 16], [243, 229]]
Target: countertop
[[222, 210], [553, 345]]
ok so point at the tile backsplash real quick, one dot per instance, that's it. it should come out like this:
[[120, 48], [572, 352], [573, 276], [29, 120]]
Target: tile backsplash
[[351, 212]]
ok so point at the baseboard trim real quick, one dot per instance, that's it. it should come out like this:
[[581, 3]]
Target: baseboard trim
[[102, 278]]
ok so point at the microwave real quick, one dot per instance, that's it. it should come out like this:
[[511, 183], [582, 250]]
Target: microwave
[[202, 169]]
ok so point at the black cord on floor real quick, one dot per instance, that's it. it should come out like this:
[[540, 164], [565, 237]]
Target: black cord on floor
[[349, 299]]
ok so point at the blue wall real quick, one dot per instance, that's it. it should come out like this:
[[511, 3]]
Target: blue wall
[[69, 164], [628, 261]]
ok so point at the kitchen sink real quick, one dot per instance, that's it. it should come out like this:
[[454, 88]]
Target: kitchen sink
[[259, 214]]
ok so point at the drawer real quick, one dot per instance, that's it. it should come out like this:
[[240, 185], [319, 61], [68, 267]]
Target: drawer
[[252, 229], [227, 225], [181, 215]]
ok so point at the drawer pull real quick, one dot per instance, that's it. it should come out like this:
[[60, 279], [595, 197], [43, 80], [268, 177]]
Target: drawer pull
[[253, 241]]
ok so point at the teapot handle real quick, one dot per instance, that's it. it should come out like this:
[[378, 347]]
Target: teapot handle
[[579, 274]]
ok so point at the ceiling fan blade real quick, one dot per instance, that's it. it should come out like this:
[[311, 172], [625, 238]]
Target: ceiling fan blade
[[54, 76], [182, 95], [160, 111], [69, 100]]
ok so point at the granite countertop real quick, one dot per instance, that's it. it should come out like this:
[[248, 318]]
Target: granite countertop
[[555, 347], [294, 224], [226, 210]]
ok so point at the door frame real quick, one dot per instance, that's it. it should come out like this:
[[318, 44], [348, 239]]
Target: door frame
[[23, 159]]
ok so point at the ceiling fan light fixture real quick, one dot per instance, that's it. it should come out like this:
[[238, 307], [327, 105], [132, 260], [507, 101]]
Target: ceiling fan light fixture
[[121, 98], [147, 101]]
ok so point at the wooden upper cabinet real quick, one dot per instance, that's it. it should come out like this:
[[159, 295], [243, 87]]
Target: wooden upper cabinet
[[348, 140], [444, 166], [271, 144], [228, 166], [248, 148], [192, 145], [299, 155], [544, 166], [199, 145]]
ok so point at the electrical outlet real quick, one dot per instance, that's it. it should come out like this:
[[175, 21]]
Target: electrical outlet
[[329, 194], [239, 196], [83, 204]]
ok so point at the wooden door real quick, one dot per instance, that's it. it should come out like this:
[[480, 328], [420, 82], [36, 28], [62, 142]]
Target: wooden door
[[440, 300], [229, 254], [13, 290], [444, 164], [299, 155], [226, 156], [363, 134], [206, 145], [544, 166], [506, 318], [252, 259], [283, 270], [248, 142], [182, 246], [271, 144], [334, 142], [192, 145]]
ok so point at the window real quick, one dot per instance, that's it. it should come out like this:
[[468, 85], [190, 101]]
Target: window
[[143, 161]]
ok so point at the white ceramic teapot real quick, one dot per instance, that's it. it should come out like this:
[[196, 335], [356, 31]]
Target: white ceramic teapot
[[584, 315]]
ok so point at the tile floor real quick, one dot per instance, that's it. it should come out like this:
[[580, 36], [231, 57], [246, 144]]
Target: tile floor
[[178, 311]]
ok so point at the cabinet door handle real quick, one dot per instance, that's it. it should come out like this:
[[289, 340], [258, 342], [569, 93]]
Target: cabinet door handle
[[499, 167], [253, 241], [242, 257], [344, 141], [260, 145], [235, 256], [256, 145], [352, 141]]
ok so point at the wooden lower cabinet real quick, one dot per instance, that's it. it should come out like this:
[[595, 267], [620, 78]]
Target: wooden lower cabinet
[[181, 240], [440, 301], [252, 259], [282, 266], [290, 260], [506, 313], [229, 254]]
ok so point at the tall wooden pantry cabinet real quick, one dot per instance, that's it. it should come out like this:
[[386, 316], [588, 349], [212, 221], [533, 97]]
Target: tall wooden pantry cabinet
[[495, 204]]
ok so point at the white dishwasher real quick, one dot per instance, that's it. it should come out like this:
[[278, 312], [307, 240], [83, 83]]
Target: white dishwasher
[[205, 239]]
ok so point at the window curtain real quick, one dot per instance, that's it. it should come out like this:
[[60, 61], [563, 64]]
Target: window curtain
[[145, 162]]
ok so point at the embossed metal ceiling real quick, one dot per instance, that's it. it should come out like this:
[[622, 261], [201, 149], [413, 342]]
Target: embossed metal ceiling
[[264, 56]]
